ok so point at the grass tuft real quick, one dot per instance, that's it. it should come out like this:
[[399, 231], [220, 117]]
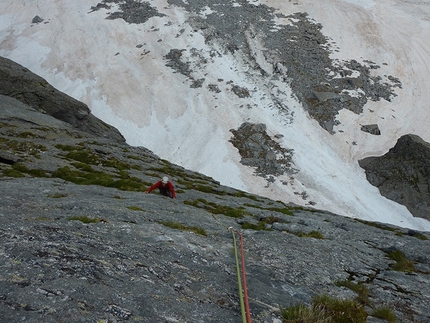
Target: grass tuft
[[135, 208], [359, 288], [312, 234], [12, 173], [261, 225], [218, 209], [179, 226], [58, 195], [326, 309], [402, 263], [384, 313], [85, 219], [89, 176], [19, 170]]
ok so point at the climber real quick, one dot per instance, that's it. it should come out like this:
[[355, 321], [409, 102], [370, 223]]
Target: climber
[[165, 186]]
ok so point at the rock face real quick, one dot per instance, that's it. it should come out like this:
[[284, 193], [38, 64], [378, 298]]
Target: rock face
[[79, 242], [403, 174], [20, 83]]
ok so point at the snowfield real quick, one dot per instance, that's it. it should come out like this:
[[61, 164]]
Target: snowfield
[[119, 70]]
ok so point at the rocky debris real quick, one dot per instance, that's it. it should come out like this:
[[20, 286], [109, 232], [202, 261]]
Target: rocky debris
[[133, 12], [20, 83], [298, 52], [403, 174], [174, 61], [241, 92], [372, 129], [80, 242], [259, 150]]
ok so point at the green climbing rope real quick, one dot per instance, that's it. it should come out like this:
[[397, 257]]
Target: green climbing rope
[[239, 283]]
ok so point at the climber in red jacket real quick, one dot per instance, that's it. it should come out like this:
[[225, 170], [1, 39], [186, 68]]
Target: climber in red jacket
[[165, 186]]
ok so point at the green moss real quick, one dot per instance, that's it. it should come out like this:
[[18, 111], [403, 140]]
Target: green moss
[[69, 148], [190, 185], [172, 171], [204, 189], [135, 208], [12, 173], [228, 211], [45, 129], [37, 173], [312, 234], [192, 203], [179, 226], [377, 225], [85, 219], [24, 147], [83, 167], [284, 210], [272, 219], [83, 156], [58, 195], [261, 225], [20, 167], [417, 235], [92, 177], [26, 134], [218, 209], [244, 194], [82, 178], [136, 167], [115, 163], [33, 172], [86, 156], [7, 125]]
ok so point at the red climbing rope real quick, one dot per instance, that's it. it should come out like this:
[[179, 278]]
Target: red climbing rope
[[245, 290]]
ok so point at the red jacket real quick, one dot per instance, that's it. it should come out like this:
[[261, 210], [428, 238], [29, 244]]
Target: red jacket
[[168, 186]]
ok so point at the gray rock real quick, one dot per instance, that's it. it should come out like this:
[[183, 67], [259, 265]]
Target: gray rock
[[128, 265], [372, 129], [403, 174], [36, 20], [20, 83], [324, 96], [133, 12]]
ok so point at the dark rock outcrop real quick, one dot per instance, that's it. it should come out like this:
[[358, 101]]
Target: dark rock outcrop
[[79, 242], [36, 20], [372, 129], [403, 174], [259, 150], [20, 83]]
